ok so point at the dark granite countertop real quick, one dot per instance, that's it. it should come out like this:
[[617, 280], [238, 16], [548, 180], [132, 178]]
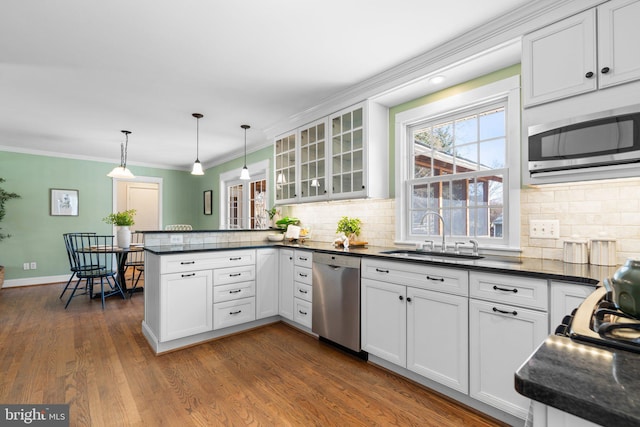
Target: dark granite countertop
[[531, 267], [592, 382]]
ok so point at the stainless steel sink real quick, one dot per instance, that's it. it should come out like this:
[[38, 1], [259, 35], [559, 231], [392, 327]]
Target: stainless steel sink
[[406, 253]]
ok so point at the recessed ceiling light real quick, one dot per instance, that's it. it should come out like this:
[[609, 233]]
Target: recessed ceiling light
[[436, 80]]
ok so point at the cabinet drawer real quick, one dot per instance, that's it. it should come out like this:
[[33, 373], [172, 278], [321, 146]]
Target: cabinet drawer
[[303, 291], [303, 258], [302, 312], [234, 291], [244, 273], [441, 279], [515, 290], [234, 312], [302, 274], [206, 260]]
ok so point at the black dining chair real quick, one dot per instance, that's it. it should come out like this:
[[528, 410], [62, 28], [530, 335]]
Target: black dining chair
[[135, 260], [96, 260], [73, 261]]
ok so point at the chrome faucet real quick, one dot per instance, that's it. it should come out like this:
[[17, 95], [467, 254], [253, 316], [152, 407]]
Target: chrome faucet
[[444, 244]]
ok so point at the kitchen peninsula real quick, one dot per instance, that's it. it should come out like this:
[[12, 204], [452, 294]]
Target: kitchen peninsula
[[216, 283]]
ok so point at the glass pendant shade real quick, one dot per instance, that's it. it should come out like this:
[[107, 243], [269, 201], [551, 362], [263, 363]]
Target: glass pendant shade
[[197, 167], [121, 171], [244, 174]]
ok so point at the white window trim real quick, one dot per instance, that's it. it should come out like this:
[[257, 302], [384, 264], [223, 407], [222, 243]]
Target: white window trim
[[259, 169], [508, 89]]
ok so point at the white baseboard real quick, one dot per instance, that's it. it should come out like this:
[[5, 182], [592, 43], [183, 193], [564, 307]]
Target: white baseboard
[[33, 281]]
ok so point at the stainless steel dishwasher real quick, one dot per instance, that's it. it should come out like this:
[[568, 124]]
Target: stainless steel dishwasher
[[336, 299]]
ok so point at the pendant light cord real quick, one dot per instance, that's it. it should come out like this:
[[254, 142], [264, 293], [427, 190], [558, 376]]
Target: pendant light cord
[[124, 148]]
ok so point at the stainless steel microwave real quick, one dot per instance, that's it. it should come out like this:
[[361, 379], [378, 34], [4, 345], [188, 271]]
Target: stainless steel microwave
[[608, 138]]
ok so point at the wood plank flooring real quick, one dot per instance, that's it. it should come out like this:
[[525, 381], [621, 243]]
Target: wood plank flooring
[[99, 362]]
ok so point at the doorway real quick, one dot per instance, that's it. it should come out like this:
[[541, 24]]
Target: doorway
[[144, 194]]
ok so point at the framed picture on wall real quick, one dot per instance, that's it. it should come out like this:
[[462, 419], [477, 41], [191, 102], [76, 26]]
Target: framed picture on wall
[[208, 195], [63, 202]]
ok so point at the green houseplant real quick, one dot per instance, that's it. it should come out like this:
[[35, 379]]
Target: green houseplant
[[4, 197], [350, 227], [123, 220]]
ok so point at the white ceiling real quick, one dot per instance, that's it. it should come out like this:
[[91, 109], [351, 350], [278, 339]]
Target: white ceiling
[[73, 73]]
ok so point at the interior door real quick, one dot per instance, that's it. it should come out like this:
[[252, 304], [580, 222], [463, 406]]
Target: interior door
[[144, 197]]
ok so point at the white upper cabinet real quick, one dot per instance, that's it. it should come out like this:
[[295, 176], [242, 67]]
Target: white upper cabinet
[[591, 50], [341, 156]]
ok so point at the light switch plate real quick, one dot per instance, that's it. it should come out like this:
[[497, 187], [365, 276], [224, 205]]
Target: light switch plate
[[544, 229], [176, 239]]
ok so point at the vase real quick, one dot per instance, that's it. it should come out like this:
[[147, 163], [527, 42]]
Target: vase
[[124, 236]]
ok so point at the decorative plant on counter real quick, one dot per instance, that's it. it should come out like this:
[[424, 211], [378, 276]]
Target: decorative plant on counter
[[286, 222], [349, 226], [121, 219], [272, 213]]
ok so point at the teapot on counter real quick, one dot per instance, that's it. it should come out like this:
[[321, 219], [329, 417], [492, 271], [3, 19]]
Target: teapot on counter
[[625, 287]]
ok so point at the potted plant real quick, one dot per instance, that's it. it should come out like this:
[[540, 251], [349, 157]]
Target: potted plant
[[4, 196], [272, 214], [350, 227], [123, 220]]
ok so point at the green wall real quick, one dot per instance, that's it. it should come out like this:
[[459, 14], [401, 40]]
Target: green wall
[[37, 236], [504, 73]]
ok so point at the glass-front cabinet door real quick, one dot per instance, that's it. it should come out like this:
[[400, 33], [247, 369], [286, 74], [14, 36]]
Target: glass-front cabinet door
[[285, 157], [347, 152], [313, 154]]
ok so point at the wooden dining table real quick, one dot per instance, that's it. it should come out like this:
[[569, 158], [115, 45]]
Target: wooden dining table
[[121, 260]]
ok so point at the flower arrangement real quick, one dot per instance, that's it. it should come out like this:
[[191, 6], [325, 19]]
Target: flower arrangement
[[122, 219]]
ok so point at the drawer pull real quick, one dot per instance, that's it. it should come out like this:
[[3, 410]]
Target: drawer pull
[[189, 275], [436, 279], [235, 291], [302, 291], [379, 270], [235, 274], [497, 310], [235, 312], [497, 288], [302, 275], [303, 258], [235, 258], [187, 262], [304, 313]]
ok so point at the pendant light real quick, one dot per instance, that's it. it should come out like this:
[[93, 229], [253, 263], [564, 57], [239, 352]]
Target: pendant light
[[244, 175], [122, 171], [197, 167]]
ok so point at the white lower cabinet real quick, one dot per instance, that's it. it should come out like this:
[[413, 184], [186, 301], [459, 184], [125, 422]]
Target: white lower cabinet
[[234, 312], [302, 287], [267, 283], [564, 298], [423, 330], [285, 276], [186, 303], [234, 290], [502, 336]]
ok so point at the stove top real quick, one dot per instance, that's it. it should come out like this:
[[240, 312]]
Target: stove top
[[598, 321]]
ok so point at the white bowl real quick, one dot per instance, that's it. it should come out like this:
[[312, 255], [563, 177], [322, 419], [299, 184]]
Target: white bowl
[[275, 237]]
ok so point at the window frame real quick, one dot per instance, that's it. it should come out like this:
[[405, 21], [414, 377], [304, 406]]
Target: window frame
[[507, 91], [259, 172]]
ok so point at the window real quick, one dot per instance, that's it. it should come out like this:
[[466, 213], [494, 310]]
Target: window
[[244, 203], [456, 159]]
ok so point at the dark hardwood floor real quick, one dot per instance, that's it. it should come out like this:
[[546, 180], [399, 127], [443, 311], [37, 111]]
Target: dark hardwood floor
[[99, 362]]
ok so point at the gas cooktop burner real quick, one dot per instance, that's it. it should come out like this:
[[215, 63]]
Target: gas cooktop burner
[[598, 321]]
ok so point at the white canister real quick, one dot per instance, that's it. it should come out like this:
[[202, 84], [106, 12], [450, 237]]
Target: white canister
[[603, 251], [576, 251]]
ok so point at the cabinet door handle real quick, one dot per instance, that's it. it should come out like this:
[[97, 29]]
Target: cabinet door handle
[[302, 291], [497, 310], [235, 258], [605, 70], [400, 297], [408, 299], [379, 270], [235, 291], [235, 274], [589, 74], [189, 275], [302, 275], [304, 313], [187, 262], [436, 279], [235, 312], [497, 288]]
